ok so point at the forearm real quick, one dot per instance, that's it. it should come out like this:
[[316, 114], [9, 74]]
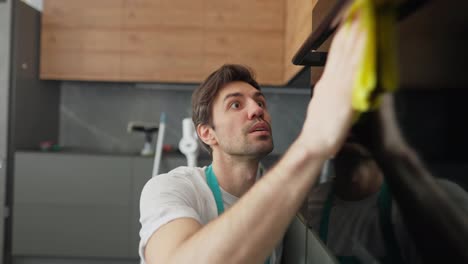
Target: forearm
[[249, 231]]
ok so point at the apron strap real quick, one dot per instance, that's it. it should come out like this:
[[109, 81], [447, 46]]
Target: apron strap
[[214, 187], [216, 190], [385, 214], [323, 232]]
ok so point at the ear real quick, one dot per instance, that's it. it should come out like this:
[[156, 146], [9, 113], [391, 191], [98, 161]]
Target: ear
[[206, 134]]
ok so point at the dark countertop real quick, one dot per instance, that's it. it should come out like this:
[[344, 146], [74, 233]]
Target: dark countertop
[[268, 161]]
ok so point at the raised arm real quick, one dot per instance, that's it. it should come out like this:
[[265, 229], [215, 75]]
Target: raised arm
[[249, 231]]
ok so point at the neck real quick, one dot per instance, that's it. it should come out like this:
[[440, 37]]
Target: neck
[[358, 186], [235, 174]]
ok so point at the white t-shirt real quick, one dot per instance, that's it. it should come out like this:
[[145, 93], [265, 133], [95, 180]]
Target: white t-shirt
[[181, 193]]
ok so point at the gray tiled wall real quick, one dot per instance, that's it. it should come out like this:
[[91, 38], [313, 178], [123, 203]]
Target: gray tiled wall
[[94, 115]]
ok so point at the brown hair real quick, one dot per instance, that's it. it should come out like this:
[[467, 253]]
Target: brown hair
[[203, 96]]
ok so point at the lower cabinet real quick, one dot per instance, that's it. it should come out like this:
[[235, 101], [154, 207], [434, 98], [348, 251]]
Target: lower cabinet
[[141, 171], [87, 206], [77, 205]]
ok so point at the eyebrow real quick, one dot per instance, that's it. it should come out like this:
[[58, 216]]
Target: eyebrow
[[231, 95], [257, 94]]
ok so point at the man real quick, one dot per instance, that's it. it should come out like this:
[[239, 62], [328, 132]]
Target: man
[[354, 214], [223, 213]]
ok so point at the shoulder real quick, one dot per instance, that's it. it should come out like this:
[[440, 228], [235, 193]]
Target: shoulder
[[178, 176], [181, 181], [169, 196], [182, 172], [183, 189]]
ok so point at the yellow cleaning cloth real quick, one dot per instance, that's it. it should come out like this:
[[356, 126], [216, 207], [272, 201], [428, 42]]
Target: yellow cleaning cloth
[[379, 62]]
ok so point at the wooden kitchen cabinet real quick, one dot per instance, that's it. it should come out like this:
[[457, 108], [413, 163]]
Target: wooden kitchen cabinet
[[80, 40], [246, 32], [170, 40], [298, 25], [162, 41]]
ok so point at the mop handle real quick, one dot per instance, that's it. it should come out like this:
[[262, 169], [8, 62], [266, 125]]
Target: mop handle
[[159, 144]]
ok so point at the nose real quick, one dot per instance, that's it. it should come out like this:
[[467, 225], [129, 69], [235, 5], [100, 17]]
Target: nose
[[255, 111]]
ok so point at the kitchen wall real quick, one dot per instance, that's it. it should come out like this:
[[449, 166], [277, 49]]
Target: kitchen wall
[[94, 118], [94, 115]]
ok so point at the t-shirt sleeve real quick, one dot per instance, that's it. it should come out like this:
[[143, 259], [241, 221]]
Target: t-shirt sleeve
[[165, 198]]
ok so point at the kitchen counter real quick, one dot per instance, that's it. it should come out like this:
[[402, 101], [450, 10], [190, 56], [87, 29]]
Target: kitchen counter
[[203, 158]]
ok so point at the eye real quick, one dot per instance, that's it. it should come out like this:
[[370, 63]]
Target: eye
[[261, 104], [235, 105]]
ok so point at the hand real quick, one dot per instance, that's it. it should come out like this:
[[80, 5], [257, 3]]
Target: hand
[[329, 115]]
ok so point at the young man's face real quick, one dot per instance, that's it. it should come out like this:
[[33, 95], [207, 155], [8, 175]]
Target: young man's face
[[242, 124]]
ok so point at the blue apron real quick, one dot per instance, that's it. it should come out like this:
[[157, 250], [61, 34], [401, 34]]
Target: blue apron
[[214, 186], [384, 203]]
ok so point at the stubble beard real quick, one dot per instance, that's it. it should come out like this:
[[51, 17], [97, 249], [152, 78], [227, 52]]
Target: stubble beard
[[255, 149]]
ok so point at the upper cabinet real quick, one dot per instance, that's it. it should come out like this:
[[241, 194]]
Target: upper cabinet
[[171, 40], [81, 40], [298, 26], [162, 40], [430, 42]]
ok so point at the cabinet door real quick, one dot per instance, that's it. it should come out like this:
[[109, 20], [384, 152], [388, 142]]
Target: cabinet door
[[80, 40], [71, 205], [141, 173], [5, 37]]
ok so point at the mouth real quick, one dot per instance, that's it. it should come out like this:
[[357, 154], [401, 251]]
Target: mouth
[[260, 128]]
